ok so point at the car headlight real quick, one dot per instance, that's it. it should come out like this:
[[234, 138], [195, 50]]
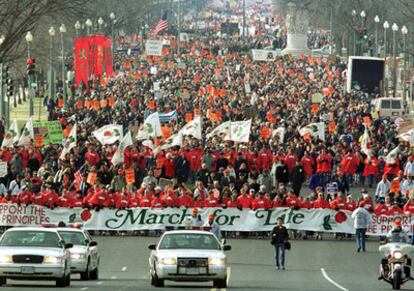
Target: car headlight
[[6, 259], [216, 261], [77, 256], [53, 260], [398, 255], [168, 261]]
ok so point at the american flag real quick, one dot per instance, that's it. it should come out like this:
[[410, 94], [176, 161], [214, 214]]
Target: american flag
[[78, 177], [161, 25]]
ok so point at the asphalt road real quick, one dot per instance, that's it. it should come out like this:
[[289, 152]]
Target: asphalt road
[[311, 265]]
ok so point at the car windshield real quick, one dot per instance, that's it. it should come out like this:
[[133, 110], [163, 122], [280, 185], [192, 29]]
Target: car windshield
[[189, 241], [30, 239], [75, 238]]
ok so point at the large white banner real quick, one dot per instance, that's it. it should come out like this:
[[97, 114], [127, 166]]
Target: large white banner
[[230, 219], [153, 47], [265, 55]]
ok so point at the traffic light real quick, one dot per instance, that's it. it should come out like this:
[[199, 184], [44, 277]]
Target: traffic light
[[6, 74], [10, 87], [31, 66]]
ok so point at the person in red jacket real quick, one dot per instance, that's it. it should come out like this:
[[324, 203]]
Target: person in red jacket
[[324, 166], [349, 164], [371, 170], [278, 202], [292, 200], [24, 197], [157, 202], [169, 166], [65, 200], [395, 210], [245, 200], [290, 160], [308, 164], [409, 206], [381, 209], [134, 200], [39, 198], [306, 203], [185, 199], [122, 199], [265, 157], [211, 200], [261, 202], [350, 204], [51, 198], [98, 198], [321, 202], [339, 202], [77, 202], [169, 198], [92, 157], [233, 203], [147, 198]]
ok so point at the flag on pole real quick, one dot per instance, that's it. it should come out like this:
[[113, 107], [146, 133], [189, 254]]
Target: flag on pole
[[192, 128], [119, 154], [279, 132], [407, 136], [70, 142], [172, 141], [314, 130], [240, 131], [391, 158], [149, 144], [27, 134], [365, 141], [223, 130], [108, 134], [150, 128], [161, 25], [12, 135]]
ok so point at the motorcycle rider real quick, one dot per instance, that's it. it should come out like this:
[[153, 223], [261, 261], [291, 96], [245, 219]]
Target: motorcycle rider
[[396, 235]]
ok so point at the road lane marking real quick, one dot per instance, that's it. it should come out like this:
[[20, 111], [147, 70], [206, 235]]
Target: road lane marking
[[99, 283], [113, 277], [332, 281], [228, 275], [84, 288], [124, 268]]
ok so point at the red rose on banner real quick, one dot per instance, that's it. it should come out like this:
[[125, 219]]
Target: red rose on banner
[[107, 133], [86, 215], [340, 217]]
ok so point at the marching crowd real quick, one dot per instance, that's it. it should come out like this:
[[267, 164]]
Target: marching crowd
[[215, 79]]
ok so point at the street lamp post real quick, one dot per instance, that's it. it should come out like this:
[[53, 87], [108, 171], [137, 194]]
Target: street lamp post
[[29, 39], [386, 25], [404, 32], [62, 30], [354, 13], [51, 73], [394, 58], [377, 20], [112, 17], [100, 24], [360, 32], [88, 24], [2, 103], [77, 27]]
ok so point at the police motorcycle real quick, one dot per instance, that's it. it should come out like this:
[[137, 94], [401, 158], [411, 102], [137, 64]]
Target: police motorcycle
[[396, 263]]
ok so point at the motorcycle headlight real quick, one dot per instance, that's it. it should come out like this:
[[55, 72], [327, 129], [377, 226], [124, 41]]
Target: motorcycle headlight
[[216, 261], [77, 256], [6, 259], [398, 255], [168, 261], [53, 260]]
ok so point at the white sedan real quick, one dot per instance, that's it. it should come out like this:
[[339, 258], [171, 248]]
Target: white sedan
[[84, 254], [34, 254], [188, 255]]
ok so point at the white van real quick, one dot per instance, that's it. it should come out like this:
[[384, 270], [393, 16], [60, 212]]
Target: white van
[[388, 107]]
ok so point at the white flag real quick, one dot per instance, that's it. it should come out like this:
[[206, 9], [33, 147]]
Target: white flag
[[314, 129], [27, 134], [12, 135], [223, 130], [391, 158], [69, 142], [108, 134], [119, 154], [150, 128], [407, 136], [364, 142], [192, 128], [149, 144], [280, 132], [172, 141], [240, 131]]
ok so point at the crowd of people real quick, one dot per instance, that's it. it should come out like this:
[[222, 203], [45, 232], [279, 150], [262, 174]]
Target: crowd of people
[[218, 80]]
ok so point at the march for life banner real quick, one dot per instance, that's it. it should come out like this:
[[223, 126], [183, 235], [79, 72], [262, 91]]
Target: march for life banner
[[265, 55], [153, 47], [229, 219]]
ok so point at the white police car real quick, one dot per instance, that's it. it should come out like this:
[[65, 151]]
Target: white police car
[[188, 255], [84, 254], [34, 254]]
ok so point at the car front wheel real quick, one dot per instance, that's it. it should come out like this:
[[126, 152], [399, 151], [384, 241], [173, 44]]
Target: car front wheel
[[220, 283], [157, 281], [3, 281], [85, 275]]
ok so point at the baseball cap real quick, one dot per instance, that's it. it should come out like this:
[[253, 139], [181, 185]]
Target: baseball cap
[[211, 216], [397, 223]]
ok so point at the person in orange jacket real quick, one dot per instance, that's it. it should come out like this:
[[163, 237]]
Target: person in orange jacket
[[339, 202], [245, 200]]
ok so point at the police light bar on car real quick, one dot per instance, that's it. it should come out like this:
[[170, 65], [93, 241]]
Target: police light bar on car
[[171, 228], [54, 225]]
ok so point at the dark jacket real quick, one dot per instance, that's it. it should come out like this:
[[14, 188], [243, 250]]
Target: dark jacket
[[280, 235], [298, 175], [282, 174]]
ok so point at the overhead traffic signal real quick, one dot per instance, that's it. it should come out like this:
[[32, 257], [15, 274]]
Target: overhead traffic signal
[[31, 66], [10, 87]]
